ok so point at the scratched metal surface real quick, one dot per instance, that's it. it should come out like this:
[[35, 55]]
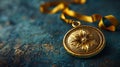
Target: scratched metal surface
[[29, 38]]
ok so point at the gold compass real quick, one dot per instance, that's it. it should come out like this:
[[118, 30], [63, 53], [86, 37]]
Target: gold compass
[[84, 41]]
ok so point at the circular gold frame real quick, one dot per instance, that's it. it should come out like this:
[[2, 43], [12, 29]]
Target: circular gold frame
[[99, 47]]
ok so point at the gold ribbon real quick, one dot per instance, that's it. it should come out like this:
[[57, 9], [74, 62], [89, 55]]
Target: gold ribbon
[[111, 25]]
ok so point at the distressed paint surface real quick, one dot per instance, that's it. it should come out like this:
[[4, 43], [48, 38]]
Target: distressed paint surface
[[29, 38]]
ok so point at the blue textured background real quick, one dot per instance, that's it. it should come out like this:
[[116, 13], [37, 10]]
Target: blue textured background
[[29, 38]]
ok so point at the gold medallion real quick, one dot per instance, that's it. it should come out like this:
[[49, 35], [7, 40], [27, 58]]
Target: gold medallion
[[84, 41]]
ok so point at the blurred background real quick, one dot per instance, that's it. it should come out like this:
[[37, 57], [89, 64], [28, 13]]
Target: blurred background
[[29, 38]]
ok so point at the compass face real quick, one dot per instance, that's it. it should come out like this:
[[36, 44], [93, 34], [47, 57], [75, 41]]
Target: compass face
[[84, 41]]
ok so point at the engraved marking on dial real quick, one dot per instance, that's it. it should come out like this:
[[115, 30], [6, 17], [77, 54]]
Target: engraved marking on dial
[[82, 40]]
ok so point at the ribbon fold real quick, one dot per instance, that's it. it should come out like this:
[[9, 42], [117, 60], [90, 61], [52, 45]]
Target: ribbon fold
[[110, 24]]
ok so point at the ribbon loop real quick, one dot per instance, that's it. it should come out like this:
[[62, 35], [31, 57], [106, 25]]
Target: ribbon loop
[[63, 6]]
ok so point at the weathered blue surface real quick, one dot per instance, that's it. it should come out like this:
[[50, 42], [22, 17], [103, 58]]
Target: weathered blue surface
[[29, 38]]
